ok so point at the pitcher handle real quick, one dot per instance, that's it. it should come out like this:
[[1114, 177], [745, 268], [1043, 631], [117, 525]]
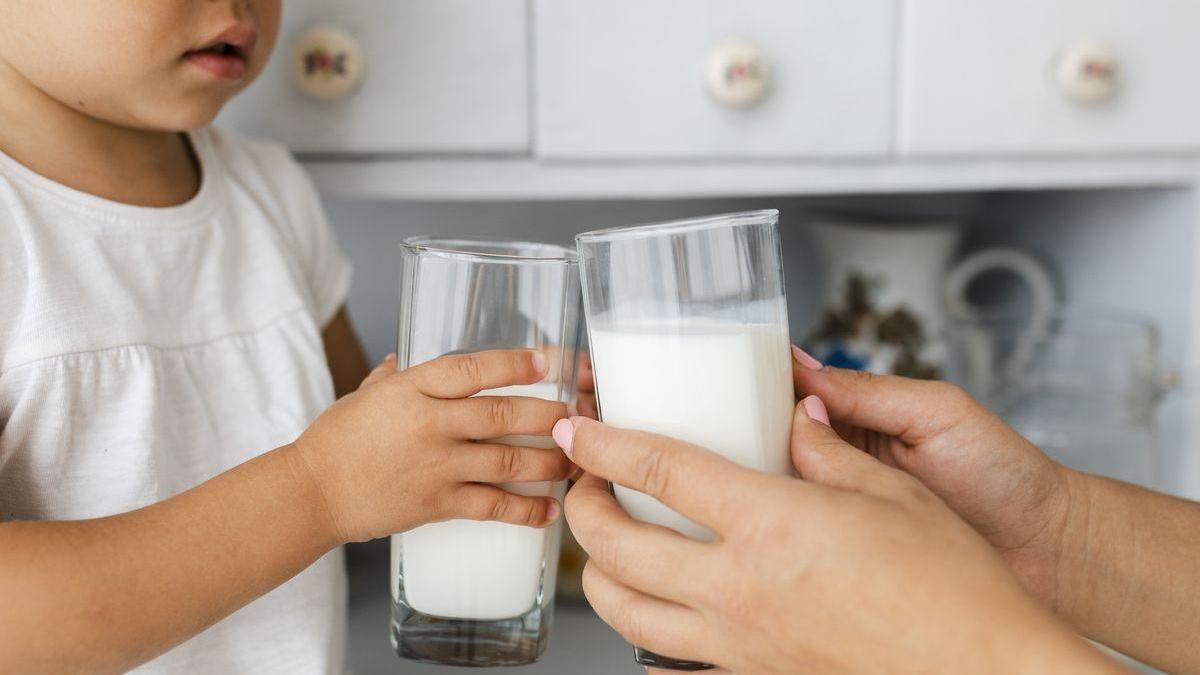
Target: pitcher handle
[[1028, 269]]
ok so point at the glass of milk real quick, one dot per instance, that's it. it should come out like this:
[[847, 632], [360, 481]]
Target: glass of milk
[[688, 328], [473, 593]]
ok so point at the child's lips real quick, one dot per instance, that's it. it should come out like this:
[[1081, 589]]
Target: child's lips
[[228, 66], [224, 55]]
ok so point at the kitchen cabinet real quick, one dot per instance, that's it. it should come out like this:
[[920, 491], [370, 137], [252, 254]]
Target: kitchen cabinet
[[627, 78], [524, 92], [438, 76], [1004, 77]]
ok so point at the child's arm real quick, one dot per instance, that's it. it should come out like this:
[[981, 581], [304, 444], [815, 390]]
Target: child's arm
[[344, 353], [109, 593]]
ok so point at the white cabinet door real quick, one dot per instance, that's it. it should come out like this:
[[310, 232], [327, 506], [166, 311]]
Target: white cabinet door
[[985, 76], [627, 78], [440, 76]]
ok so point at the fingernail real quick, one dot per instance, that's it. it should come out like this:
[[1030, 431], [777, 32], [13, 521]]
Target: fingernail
[[564, 435], [539, 362], [805, 359], [814, 407], [552, 512], [390, 357]]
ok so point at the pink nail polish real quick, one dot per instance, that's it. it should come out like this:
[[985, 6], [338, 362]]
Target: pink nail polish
[[805, 359], [814, 407], [552, 512], [564, 435]]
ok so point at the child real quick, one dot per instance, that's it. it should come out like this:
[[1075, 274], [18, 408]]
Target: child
[[171, 307]]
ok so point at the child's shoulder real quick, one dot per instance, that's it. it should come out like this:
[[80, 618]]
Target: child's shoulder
[[14, 272], [254, 159], [270, 185], [267, 172], [11, 230]]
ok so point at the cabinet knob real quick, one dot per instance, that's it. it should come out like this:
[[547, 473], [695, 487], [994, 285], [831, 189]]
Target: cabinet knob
[[737, 73], [1088, 72], [327, 63]]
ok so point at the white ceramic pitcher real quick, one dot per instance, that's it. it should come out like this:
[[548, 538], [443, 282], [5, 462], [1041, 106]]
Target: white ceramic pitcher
[[889, 286]]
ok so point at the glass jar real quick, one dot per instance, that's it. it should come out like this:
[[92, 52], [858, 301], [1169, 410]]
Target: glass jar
[[1082, 384]]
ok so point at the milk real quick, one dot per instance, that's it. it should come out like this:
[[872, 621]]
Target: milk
[[465, 569], [720, 385]]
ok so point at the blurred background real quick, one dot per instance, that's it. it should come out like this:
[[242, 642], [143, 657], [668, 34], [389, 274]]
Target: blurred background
[[998, 192]]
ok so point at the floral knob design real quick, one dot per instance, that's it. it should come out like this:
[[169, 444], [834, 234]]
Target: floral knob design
[[327, 63], [1089, 72], [737, 73]]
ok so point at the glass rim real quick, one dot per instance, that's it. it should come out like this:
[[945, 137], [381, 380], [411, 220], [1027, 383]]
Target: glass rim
[[476, 250], [883, 224], [679, 226], [1126, 319]]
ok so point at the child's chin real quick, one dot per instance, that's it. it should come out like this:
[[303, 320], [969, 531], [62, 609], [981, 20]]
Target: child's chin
[[186, 115]]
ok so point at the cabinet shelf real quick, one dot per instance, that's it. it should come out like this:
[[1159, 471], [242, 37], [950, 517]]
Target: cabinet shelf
[[500, 178]]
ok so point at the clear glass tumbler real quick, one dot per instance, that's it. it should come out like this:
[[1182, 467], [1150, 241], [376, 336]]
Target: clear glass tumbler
[[688, 328], [1083, 384], [470, 593]]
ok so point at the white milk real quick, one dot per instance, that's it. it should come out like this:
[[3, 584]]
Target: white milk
[[720, 385], [466, 569]]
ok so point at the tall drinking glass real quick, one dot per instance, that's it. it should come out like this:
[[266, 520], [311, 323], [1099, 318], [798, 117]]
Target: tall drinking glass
[[473, 593], [689, 338]]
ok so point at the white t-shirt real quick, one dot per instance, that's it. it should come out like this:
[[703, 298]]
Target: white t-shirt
[[145, 350]]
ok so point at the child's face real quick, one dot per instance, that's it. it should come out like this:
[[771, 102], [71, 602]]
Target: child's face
[[153, 64]]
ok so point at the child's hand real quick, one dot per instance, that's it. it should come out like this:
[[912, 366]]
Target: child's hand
[[408, 448]]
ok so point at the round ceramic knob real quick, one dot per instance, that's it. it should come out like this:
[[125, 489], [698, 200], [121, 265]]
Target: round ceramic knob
[[327, 63], [1088, 72], [737, 73]]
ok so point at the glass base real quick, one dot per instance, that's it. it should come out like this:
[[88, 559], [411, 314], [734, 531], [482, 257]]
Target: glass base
[[646, 657], [518, 641]]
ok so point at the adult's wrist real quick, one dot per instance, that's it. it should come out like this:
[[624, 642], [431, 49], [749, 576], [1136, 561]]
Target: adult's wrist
[[1033, 542], [1095, 539]]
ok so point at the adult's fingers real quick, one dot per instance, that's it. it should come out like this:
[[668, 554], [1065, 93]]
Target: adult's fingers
[[484, 417], [651, 623], [911, 410], [462, 375], [585, 404], [821, 456], [500, 463], [700, 484], [385, 368], [646, 557], [585, 376], [488, 502]]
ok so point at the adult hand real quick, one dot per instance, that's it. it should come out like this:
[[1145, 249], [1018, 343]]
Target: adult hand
[[585, 400], [1114, 560], [857, 569], [993, 478]]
